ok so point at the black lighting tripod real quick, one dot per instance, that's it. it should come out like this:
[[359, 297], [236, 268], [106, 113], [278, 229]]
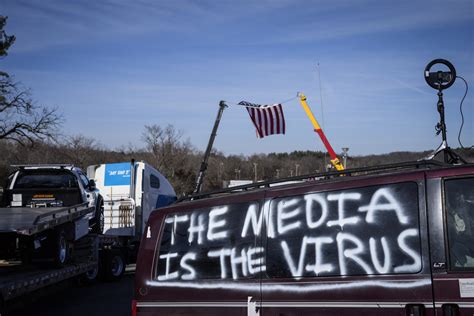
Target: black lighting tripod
[[441, 80]]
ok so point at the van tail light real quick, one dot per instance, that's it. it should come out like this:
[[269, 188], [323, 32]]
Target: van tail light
[[415, 310], [134, 308]]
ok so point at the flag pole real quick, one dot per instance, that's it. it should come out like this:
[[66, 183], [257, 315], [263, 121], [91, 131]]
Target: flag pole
[[202, 169]]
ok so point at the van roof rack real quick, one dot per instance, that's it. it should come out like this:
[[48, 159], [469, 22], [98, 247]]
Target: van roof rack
[[423, 164]]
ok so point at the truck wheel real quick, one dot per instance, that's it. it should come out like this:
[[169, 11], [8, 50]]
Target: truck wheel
[[113, 266], [99, 219], [61, 249], [90, 277]]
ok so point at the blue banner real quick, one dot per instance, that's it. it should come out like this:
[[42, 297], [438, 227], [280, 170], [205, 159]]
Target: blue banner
[[117, 174]]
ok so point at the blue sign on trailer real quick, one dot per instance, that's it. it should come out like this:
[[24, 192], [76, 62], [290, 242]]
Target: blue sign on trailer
[[117, 174]]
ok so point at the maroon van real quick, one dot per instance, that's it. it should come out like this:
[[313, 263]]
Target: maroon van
[[392, 240]]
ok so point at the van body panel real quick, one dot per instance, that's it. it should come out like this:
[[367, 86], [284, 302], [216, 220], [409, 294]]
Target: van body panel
[[363, 245], [453, 286], [461, 170], [365, 294]]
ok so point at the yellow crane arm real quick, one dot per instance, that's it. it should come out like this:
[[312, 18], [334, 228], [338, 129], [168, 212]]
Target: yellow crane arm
[[334, 159]]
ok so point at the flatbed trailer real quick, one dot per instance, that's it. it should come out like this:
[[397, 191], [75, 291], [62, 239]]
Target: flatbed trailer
[[34, 233], [29, 221], [88, 253], [50, 233], [93, 254], [17, 279]]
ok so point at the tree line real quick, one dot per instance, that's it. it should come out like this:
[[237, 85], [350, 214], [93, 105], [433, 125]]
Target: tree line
[[178, 160]]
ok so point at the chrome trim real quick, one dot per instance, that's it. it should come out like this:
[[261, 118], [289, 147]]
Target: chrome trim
[[287, 304]]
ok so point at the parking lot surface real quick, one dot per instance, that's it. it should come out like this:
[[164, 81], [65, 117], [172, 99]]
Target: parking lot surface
[[69, 299]]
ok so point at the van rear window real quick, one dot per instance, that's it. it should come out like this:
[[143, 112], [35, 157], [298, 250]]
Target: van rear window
[[459, 199], [211, 243], [365, 231]]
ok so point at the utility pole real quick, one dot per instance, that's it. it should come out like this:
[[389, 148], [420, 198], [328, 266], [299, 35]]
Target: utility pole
[[255, 171], [220, 171], [296, 169], [344, 156], [237, 174]]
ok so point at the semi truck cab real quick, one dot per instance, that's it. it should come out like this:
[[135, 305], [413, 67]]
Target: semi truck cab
[[131, 191]]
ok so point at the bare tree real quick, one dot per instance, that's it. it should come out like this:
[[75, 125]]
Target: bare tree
[[171, 156], [80, 150], [20, 119], [163, 144]]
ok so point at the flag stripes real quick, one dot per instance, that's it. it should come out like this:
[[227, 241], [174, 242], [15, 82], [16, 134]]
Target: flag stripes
[[267, 119]]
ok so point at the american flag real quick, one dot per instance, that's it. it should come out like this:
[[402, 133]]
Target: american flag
[[268, 119]]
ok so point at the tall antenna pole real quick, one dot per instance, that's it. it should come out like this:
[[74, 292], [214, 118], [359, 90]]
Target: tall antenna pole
[[202, 169], [322, 106]]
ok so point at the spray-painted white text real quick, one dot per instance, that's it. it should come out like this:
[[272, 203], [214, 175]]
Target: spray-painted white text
[[334, 233]]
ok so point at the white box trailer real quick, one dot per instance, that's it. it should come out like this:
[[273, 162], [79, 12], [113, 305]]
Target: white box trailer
[[131, 191]]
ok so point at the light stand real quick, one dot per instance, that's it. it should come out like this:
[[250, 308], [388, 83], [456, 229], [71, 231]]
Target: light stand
[[441, 80]]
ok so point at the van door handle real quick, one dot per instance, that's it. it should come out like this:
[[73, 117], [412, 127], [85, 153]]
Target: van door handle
[[450, 309], [415, 309]]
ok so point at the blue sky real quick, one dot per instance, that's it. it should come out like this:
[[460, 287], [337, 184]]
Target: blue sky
[[113, 66]]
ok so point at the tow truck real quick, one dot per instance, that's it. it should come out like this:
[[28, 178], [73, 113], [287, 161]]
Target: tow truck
[[51, 224]]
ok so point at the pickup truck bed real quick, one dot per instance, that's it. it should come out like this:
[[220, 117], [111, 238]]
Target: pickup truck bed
[[29, 221]]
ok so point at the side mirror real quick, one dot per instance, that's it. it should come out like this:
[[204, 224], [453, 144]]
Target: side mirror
[[92, 185]]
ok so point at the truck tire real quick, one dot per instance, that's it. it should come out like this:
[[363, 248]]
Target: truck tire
[[60, 251], [90, 277], [113, 265], [99, 220]]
